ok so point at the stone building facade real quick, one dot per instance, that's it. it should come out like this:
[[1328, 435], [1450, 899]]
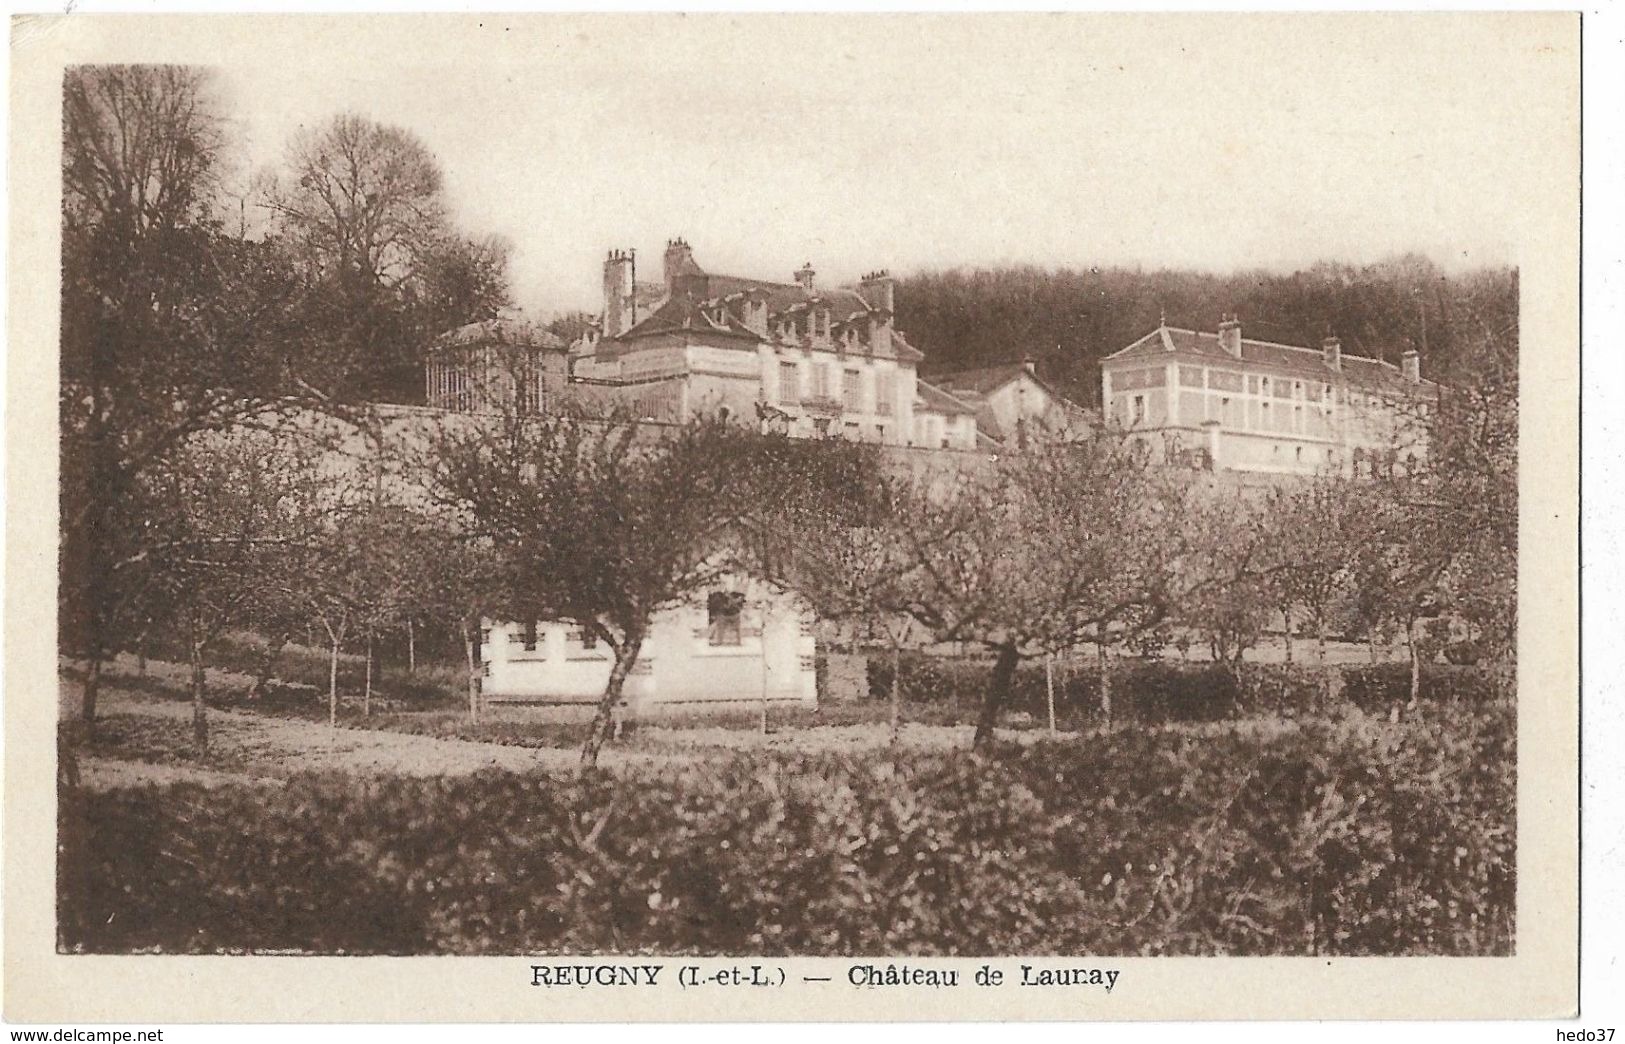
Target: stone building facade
[[1014, 405], [793, 356], [743, 643], [1221, 400]]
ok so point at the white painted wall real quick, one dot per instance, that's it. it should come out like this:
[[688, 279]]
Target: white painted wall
[[679, 663]]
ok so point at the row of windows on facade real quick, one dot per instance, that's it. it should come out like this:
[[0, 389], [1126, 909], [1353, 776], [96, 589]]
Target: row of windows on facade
[[824, 428], [452, 387], [1252, 384], [1199, 458], [724, 610], [1315, 422], [1371, 463], [852, 387]]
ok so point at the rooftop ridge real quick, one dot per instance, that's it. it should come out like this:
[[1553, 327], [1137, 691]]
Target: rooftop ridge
[[1267, 344], [764, 284]]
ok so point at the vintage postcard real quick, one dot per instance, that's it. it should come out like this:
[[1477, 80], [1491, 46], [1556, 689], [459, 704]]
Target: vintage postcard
[[793, 517]]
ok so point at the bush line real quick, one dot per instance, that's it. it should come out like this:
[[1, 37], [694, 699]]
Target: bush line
[[1350, 836]]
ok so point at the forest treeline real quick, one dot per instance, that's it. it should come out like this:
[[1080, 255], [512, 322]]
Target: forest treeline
[[1068, 319]]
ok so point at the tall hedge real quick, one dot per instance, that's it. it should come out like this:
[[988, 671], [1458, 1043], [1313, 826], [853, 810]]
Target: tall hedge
[[1161, 691], [1345, 837]]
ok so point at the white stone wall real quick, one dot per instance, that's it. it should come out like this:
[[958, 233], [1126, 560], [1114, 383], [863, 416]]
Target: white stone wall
[[1269, 420], [878, 406], [679, 663]]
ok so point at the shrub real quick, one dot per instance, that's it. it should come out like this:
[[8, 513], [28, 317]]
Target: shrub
[[1158, 691], [1351, 836], [1463, 653], [1145, 691], [1378, 687], [1346, 837]]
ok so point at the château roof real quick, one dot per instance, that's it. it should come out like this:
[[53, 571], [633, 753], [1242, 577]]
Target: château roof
[[677, 314], [986, 380], [938, 401], [507, 328], [692, 307], [1357, 368]]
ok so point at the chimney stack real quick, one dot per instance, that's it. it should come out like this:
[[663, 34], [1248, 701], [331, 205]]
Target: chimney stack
[[1230, 335], [755, 308], [678, 260], [877, 289], [880, 330], [617, 293], [1411, 365], [804, 277], [1332, 349], [1029, 364]]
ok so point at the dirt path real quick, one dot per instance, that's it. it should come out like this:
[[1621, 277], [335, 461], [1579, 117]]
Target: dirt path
[[274, 748], [248, 747]]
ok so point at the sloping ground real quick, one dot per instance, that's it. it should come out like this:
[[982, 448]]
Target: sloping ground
[[256, 746], [98, 773], [146, 738]]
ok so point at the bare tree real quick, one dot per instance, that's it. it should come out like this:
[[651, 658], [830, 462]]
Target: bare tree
[[170, 328], [233, 514], [1317, 530], [142, 146], [600, 524], [834, 535], [1228, 560], [365, 199], [363, 204], [1028, 555]]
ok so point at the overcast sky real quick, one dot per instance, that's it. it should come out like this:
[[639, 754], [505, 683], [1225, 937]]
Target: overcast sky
[[857, 142]]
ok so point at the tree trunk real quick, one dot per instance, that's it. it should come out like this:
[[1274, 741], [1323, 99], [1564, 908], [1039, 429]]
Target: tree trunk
[[1049, 688], [1286, 634], [366, 691], [1311, 920], [998, 692], [200, 709], [411, 647], [1416, 661], [1327, 695], [473, 674], [273, 651], [762, 723], [1371, 644], [604, 721], [896, 692], [93, 685], [1105, 679], [99, 574], [333, 686]]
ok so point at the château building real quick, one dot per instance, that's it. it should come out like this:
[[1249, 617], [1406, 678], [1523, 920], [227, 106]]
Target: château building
[[1226, 401], [794, 356]]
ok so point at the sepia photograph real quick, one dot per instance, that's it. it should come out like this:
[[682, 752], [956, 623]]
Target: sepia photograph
[[892, 493]]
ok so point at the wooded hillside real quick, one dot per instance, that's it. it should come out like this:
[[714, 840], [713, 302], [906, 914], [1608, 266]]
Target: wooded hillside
[[1068, 319]]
